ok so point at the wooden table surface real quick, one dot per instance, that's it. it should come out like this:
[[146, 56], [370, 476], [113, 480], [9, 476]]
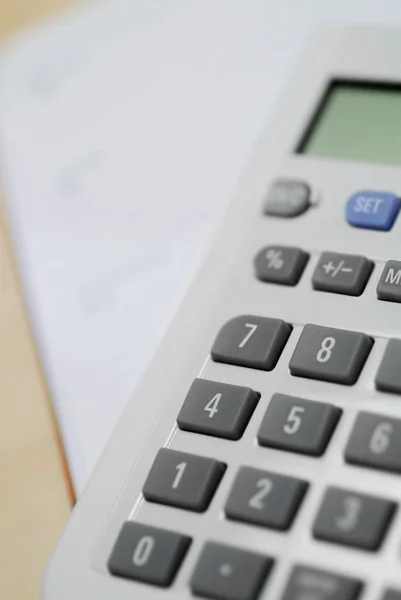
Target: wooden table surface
[[35, 495]]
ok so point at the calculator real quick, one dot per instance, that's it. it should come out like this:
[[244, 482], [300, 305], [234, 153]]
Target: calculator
[[260, 457]]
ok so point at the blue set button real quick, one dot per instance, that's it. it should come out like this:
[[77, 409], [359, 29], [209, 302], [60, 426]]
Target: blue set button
[[373, 210]]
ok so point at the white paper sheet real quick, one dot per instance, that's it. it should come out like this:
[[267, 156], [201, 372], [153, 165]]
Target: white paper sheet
[[124, 129]]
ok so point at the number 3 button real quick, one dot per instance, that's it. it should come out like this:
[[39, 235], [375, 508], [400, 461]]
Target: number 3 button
[[329, 354]]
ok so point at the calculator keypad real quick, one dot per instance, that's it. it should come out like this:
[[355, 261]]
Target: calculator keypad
[[258, 497], [375, 442], [266, 499], [329, 354], [148, 554], [306, 583], [217, 409], [388, 378], [227, 573], [298, 425], [280, 264], [250, 341], [353, 519], [342, 273], [183, 480]]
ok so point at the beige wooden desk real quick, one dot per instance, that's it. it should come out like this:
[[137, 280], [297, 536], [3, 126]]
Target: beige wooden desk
[[35, 497]]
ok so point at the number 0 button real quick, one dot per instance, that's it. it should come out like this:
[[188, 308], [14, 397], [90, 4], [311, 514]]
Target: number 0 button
[[329, 354], [218, 409], [183, 480], [250, 341], [298, 425], [148, 554]]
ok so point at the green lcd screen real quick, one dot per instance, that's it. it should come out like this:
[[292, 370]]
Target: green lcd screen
[[357, 121]]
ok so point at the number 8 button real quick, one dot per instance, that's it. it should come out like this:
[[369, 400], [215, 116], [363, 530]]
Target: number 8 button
[[329, 354]]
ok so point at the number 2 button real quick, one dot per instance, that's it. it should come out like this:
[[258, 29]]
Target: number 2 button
[[250, 341], [265, 498], [329, 354]]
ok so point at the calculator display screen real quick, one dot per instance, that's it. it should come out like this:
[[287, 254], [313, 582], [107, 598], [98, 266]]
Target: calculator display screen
[[357, 121]]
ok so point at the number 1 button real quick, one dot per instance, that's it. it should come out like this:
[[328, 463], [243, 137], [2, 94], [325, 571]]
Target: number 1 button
[[250, 341], [183, 480]]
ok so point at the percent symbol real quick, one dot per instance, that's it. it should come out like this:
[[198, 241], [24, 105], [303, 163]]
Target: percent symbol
[[274, 259]]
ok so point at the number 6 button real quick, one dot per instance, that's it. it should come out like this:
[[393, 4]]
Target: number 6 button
[[375, 442], [329, 354], [250, 341]]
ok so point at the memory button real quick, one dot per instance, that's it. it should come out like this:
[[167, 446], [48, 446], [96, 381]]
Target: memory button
[[389, 286]]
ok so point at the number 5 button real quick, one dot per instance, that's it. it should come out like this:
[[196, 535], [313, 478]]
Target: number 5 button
[[298, 425], [329, 354], [250, 341], [375, 442]]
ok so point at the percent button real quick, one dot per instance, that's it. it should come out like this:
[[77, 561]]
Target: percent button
[[280, 264]]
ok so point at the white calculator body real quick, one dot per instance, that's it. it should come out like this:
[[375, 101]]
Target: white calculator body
[[261, 455]]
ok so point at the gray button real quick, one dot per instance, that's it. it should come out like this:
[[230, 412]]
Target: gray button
[[218, 409], [227, 573], [389, 286], [183, 480], [250, 341], [388, 378], [342, 273], [280, 264], [287, 198], [306, 583], [298, 425], [264, 498], [375, 442], [392, 595], [148, 554], [353, 519], [329, 354]]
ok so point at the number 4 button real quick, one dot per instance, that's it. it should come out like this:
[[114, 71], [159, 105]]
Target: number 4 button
[[218, 409]]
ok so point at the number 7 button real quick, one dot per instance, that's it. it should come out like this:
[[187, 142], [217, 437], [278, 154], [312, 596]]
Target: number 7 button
[[249, 341]]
